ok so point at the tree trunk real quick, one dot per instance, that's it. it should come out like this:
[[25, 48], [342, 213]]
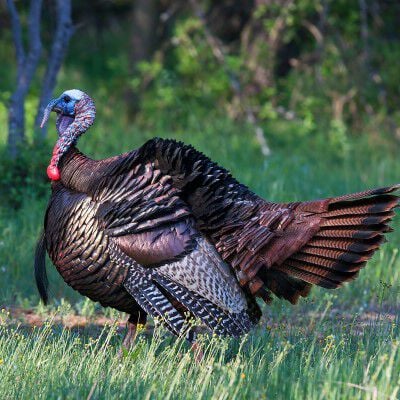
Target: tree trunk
[[26, 67], [63, 33], [16, 122]]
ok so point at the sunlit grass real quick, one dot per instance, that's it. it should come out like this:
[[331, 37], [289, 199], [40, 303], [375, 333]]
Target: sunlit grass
[[333, 360]]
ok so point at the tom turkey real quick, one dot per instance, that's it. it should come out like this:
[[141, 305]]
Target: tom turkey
[[163, 230]]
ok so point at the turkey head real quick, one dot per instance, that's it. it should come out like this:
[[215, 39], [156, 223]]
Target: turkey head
[[75, 114]]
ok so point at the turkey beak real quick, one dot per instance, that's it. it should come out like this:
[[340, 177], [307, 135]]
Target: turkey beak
[[52, 106]]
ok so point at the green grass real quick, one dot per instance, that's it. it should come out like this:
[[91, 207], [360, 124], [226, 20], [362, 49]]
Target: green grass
[[324, 360]]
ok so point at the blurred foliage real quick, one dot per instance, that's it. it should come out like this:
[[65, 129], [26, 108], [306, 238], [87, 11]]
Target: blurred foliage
[[329, 65], [24, 177], [314, 72]]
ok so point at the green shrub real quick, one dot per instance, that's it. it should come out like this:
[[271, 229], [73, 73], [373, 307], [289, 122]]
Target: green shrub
[[23, 176]]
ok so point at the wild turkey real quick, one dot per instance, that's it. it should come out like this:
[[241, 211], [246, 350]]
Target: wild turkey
[[163, 230]]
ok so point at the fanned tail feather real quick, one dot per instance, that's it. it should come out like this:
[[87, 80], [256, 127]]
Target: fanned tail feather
[[351, 230], [284, 286]]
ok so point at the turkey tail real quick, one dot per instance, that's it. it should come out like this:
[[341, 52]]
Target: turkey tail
[[42, 282], [352, 228]]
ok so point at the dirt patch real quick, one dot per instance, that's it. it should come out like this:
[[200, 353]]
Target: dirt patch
[[27, 318]]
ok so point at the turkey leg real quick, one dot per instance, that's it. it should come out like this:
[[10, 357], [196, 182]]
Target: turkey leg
[[131, 332], [197, 352]]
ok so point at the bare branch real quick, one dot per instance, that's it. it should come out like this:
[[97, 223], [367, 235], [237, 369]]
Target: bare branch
[[63, 33], [315, 31]]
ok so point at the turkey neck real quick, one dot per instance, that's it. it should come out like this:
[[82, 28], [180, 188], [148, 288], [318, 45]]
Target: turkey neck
[[83, 174], [78, 170]]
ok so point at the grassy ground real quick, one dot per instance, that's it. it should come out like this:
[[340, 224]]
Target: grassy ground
[[341, 344], [314, 357]]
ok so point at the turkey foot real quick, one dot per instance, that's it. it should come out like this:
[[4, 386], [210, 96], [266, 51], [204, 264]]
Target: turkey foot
[[130, 337], [197, 352]]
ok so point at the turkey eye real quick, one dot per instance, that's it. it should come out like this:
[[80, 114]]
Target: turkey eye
[[67, 99]]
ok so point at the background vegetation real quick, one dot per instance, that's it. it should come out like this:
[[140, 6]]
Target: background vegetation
[[320, 79]]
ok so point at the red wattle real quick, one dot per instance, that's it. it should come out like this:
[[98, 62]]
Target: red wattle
[[53, 172]]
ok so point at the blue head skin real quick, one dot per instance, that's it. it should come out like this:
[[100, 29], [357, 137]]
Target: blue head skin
[[65, 105], [76, 112]]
